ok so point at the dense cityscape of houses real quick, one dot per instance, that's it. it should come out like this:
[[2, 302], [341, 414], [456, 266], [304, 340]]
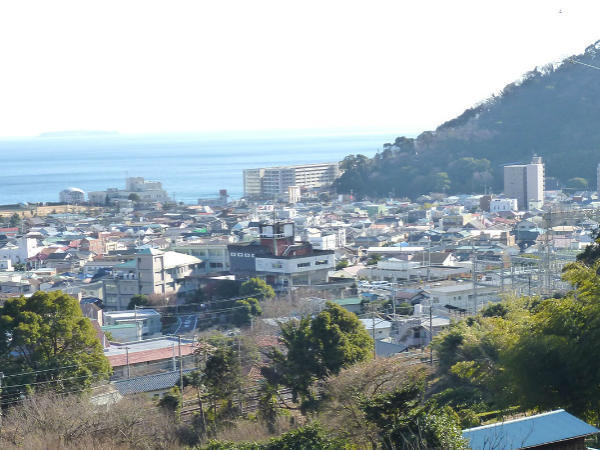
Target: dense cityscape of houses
[[405, 267]]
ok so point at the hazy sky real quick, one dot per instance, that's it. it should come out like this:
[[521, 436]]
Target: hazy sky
[[163, 66]]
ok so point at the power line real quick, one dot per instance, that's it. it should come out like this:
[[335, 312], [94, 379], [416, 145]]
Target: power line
[[573, 60]]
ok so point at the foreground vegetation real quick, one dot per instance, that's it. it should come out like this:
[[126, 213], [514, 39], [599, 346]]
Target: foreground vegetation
[[319, 388]]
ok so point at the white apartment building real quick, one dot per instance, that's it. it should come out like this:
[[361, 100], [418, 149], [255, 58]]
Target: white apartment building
[[72, 196], [503, 204], [151, 272], [276, 181], [525, 182]]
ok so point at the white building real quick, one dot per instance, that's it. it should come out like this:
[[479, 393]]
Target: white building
[[525, 182], [276, 181], [146, 191], [503, 204], [72, 196], [18, 252], [462, 295]]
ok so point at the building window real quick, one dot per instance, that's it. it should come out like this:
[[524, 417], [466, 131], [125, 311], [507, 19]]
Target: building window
[[321, 262], [305, 264], [277, 265], [216, 265]]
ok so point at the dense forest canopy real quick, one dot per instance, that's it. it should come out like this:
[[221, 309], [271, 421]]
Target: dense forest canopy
[[553, 111]]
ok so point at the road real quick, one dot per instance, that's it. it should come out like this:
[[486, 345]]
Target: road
[[186, 324]]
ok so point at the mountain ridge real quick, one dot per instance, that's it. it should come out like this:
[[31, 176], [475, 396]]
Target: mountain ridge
[[552, 111]]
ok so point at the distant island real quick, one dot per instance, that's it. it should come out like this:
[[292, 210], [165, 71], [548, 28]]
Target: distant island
[[552, 111], [78, 133]]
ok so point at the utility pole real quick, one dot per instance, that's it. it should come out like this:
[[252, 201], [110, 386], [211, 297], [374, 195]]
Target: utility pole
[[127, 361], [430, 333], [180, 372], [1, 377]]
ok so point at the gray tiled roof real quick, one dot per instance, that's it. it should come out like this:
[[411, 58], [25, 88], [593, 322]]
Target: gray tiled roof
[[149, 383]]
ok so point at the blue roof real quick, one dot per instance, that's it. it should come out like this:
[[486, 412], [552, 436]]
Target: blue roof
[[553, 426]]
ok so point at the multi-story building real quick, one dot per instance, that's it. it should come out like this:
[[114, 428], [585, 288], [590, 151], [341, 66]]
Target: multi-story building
[[72, 196], [146, 191], [272, 182], [525, 182], [151, 272], [503, 204], [214, 256], [279, 259], [253, 182]]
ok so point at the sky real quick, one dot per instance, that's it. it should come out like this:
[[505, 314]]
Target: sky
[[215, 66]]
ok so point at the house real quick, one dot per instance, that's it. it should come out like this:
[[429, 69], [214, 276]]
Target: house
[[352, 304], [552, 430], [149, 356]]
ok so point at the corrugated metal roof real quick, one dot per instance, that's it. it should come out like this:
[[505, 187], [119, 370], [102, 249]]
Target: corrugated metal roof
[[554, 426]]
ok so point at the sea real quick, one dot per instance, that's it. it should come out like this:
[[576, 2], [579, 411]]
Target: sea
[[190, 166]]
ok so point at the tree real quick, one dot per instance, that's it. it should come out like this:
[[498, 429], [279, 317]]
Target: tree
[[15, 220], [222, 377], [342, 264], [134, 197], [138, 300], [50, 343], [256, 287], [245, 310], [591, 253], [171, 401], [318, 347]]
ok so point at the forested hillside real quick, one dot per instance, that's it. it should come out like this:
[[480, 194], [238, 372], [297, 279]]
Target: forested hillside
[[553, 111]]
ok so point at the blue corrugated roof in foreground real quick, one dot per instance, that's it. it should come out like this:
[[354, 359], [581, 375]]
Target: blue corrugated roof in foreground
[[553, 426]]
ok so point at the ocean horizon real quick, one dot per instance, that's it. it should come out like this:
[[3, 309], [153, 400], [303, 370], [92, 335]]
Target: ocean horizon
[[189, 166]]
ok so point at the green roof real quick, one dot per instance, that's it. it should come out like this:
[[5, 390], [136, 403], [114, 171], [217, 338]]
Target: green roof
[[348, 301]]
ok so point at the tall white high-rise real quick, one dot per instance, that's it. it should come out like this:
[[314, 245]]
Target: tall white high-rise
[[525, 182]]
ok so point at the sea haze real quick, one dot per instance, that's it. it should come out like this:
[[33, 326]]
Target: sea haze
[[189, 166]]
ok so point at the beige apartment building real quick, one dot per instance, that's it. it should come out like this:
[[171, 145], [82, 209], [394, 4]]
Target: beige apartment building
[[151, 272], [273, 182]]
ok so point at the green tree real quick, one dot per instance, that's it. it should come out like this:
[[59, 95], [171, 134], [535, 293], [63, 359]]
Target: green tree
[[134, 197], [171, 401], [245, 310], [258, 288], [222, 377], [341, 264], [591, 253], [138, 300], [15, 220], [317, 348], [440, 182], [50, 343]]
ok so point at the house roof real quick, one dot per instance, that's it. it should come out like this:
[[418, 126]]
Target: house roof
[[117, 360], [550, 427], [149, 383]]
